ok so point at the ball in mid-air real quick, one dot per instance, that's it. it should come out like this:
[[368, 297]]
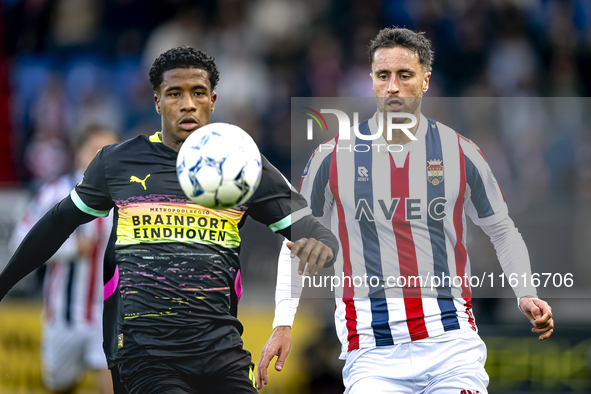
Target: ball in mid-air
[[219, 166]]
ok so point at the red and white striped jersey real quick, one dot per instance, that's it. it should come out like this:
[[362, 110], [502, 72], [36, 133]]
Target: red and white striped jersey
[[73, 285], [401, 215]]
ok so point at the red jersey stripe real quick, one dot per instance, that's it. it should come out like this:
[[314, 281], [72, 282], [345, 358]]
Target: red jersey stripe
[[415, 317]]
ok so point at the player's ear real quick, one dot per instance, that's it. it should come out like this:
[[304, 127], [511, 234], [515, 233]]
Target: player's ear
[[426, 81], [157, 102], [214, 97]]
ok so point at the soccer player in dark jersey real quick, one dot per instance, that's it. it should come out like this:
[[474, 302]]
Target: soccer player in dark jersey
[[171, 272]]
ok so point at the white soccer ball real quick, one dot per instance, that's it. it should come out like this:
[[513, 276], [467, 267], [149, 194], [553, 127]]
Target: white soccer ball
[[219, 166]]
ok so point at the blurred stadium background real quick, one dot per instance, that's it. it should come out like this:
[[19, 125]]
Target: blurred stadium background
[[66, 64]]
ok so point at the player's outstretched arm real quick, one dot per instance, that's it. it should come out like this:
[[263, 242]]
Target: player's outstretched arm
[[278, 345], [44, 239], [539, 314], [287, 298], [314, 253]]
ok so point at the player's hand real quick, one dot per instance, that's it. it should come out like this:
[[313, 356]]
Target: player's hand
[[539, 314], [312, 252], [278, 345]]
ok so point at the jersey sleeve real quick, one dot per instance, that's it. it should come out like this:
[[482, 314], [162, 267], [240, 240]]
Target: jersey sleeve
[[513, 255], [92, 195], [315, 186], [288, 290], [484, 199], [275, 202]]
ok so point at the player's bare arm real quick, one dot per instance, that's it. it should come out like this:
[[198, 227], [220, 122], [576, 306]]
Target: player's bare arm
[[539, 314], [278, 345]]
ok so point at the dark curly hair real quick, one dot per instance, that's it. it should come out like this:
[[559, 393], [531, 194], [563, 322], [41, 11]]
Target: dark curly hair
[[183, 57], [399, 37]]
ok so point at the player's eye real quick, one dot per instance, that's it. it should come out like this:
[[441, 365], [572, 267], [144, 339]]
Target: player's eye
[[174, 94], [383, 77], [199, 94]]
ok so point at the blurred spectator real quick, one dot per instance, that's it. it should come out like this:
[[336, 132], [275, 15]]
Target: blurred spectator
[[89, 99], [245, 84], [46, 157], [73, 302], [75, 24], [324, 65], [356, 75], [281, 26], [185, 28]]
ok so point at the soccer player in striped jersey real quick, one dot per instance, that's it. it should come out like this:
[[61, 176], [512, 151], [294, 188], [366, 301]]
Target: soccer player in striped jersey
[[72, 319], [402, 214]]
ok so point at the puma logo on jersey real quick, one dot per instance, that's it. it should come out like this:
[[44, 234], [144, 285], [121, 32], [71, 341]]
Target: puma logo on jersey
[[138, 180]]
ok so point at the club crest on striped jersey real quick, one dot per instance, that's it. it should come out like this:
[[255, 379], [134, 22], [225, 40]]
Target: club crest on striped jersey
[[435, 171]]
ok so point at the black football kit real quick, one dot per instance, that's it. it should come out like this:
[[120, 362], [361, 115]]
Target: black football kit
[[171, 272]]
